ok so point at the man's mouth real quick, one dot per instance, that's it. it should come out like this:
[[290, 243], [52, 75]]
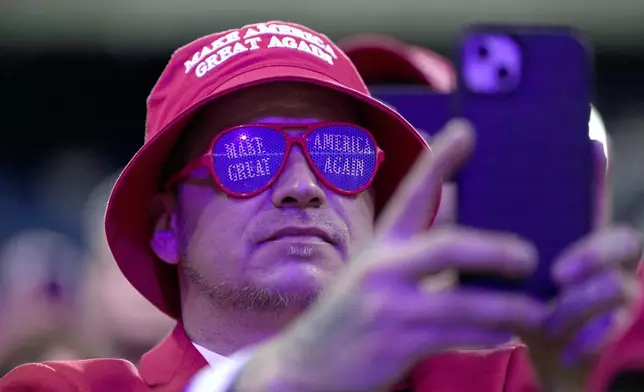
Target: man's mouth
[[301, 233]]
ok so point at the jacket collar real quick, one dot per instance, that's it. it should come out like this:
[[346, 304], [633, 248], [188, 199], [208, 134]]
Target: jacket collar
[[174, 361]]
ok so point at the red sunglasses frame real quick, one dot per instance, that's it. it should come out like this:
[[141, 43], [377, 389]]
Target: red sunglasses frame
[[207, 159]]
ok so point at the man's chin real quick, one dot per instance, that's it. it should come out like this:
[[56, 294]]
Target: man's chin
[[282, 289], [295, 277], [269, 300]]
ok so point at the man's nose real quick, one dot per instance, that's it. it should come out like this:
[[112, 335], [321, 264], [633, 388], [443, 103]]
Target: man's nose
[[297, 185]]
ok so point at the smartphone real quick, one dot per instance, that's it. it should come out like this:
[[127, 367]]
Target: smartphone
[[428, 111], [527, 91]]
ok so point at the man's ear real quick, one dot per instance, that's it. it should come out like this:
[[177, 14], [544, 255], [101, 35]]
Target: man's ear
[[165, 237]]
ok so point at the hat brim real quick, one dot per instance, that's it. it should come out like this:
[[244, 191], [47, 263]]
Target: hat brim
[[128, 222]]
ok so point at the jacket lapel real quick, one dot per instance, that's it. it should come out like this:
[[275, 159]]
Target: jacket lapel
[[171, 364]]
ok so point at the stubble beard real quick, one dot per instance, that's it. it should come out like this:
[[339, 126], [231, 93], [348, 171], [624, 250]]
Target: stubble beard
[[246, 297]]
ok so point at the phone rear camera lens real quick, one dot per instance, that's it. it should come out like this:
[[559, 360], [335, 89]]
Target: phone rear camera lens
[[483, 52], [503, 72]]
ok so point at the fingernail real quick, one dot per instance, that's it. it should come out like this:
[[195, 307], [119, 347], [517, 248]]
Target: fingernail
[[526, 253], [567, 272], [459, 122]]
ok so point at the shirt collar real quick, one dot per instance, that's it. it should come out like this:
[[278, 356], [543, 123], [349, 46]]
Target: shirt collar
[[211, 357]]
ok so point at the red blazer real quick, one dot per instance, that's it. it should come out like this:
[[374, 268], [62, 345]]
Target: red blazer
[[169, 366]]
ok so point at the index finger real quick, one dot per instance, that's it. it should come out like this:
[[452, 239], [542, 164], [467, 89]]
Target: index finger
[[617, 247], [415, 200]]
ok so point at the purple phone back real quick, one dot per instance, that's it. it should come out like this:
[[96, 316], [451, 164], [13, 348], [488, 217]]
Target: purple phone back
[[527, 91]]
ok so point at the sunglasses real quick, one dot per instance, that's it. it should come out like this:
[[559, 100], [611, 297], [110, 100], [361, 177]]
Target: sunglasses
[[247, 159]]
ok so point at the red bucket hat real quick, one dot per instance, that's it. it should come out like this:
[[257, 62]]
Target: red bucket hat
[[205, 70], [384, 60]]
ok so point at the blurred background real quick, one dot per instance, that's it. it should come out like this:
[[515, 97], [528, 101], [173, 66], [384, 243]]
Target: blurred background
[[74, 76]]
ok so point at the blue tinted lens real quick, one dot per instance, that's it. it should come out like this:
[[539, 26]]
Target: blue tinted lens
[[246, 159], [345, 155]]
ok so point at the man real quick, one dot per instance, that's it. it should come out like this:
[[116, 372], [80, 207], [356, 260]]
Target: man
[[248, 215]]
